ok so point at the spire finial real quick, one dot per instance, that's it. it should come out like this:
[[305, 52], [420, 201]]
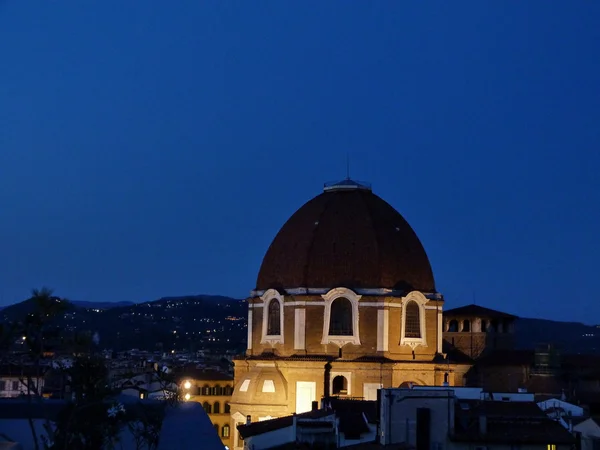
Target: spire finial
[[347, 166]]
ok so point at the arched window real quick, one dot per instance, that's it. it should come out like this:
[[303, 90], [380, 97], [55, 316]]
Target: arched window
[[227, 408], [225, 431], [452, 326], [340, 323], [206, 390], [207, 407], [216, 428], [412, 324], [340, 385], [218, 390], [228, 390], [274, 319], [466, 325], [217, 408]]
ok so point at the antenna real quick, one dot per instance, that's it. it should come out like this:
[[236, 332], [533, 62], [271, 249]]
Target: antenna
[[347, 166]]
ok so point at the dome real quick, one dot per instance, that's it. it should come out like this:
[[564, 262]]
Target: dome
[[261, 385], [347, 236]]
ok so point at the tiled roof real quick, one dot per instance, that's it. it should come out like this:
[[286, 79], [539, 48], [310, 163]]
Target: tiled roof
[[203, 374], [479, 311], [348, 238], [507, 422]]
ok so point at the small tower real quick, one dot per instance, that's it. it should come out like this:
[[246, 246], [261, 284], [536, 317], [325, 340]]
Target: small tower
[[473, 329]]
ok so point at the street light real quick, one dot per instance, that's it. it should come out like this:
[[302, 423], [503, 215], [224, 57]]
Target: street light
[[187, 396], [187, 384]]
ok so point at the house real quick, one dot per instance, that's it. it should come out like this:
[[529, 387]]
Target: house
[[562, 411], [588, 433], [148, 385], [316, 426], [14, 379], [498, 424], [459, 419], [341, 423]]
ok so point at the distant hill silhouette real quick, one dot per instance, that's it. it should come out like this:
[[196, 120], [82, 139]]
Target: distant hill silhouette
[[170, 323], [218, 322], [100, 305], [570, 337]]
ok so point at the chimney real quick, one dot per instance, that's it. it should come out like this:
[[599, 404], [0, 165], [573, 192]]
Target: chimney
[[315, 405], [248, 419], [326, 380], [482, 425]]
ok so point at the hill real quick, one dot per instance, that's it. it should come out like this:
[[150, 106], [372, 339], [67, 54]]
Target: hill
[[100, 305], [218, 322], [170, 323], [570, 337]]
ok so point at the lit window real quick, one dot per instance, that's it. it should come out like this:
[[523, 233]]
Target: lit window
[[551, 447], [225, 431]]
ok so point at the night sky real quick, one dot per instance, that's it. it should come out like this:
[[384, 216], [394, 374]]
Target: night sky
[[155, 148]]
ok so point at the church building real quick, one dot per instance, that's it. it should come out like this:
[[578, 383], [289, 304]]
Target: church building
[[345, 303]]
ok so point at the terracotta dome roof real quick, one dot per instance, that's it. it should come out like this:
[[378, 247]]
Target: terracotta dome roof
[[347, 236]]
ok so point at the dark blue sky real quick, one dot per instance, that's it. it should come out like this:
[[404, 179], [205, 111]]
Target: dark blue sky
[[155, 148]]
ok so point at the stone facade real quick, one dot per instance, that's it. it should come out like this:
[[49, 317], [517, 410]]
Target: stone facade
[[345, 304]]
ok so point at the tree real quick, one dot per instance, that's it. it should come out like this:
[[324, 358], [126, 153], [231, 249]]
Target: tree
[[34, 328]]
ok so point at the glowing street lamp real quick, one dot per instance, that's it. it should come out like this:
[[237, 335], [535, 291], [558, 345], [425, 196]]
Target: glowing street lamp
[[187, 384], [187, 396]]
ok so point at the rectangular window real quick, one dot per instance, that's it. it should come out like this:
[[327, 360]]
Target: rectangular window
[[2, 385], [551, 447], [15, 385]]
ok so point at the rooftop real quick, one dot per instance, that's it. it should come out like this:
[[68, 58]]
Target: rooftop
[[479, 311]]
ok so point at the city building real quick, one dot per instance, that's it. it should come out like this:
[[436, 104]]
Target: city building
[[345, 303], [18, 380], [467, 418], [212, 389]]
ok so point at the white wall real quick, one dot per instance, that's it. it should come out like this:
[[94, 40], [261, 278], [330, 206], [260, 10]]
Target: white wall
[[399, 414], [589, 430], [21, 388], [271, 439], [576, 411]]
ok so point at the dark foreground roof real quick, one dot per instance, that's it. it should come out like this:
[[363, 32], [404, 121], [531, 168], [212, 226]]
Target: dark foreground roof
[[203, 374], [266, 426], [507, 423]]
